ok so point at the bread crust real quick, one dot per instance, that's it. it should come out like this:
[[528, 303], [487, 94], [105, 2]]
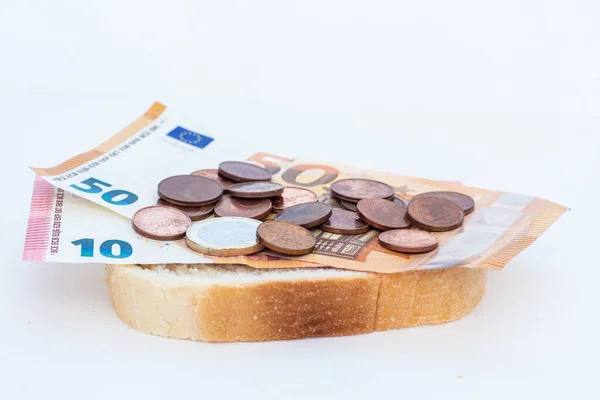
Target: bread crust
[[290, 309]]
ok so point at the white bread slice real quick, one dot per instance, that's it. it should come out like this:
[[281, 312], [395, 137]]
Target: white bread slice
[[226, 303]]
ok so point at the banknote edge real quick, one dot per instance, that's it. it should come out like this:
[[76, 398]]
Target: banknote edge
[[149, 116], [37, 236], [534, 230]]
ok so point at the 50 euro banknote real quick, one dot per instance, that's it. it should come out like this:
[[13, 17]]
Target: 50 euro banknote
[[502, 225]]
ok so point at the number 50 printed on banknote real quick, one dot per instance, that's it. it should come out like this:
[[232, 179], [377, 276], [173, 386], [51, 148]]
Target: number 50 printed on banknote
[[121, 174]]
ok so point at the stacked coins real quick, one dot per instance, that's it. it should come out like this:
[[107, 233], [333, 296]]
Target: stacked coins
[[376, 204], [240, 195]]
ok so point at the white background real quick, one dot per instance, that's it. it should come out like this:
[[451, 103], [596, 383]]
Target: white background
[[504, 95]]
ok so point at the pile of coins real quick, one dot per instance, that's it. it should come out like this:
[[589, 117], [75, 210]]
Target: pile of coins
[[241, 195]]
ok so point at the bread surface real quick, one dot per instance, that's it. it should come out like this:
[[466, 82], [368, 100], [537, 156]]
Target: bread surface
[[237, 303]]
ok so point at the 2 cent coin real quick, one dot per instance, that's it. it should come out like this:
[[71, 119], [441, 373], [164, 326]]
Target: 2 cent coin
[[345, 223], [195, 213], [243, 172], [353, 190], [229, 236], [408, 241], [466, 203], [307, 215], [286, 238], [161, 223], [190, 190], [382, 214], [292, 196], [214, 175], [249, 208], [255, 190], [435, 214]]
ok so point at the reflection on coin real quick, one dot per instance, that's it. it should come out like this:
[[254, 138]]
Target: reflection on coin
[[307, 215], [286, 238], [345, 223], [400, 201], [435, 214], [214, 175], [195, 213], [190, 190], [243, 172], [249, 208], [382, 214], [255, 190], [353, 190], [346, 205], [466, 203], [408, 241], [292, 196], [160, 223], [229, 236]]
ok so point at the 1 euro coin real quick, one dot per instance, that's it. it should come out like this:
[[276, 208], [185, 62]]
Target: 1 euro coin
[[226, 236]]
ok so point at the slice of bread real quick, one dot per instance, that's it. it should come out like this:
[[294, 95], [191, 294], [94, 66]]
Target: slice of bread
[[229, 303]]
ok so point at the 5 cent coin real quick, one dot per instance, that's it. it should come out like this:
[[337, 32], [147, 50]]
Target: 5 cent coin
[[230, 236], [214, 175], [286, 238], [353, 190], [249, 208], [243, 172], [307, 215], [292, 196], [466, 203], [255, 190], [435, 214], [408, 241], [190, 190], [161, 223], [195, 213], [382, 214], [345, 223]]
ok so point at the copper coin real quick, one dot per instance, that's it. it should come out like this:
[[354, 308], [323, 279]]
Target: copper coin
[[161, 223], [345, 223], [307, 215], [195, 213], [346, 205], [214, 175], [408, 241], [255, 190], [354, 201], [249, 208], [382, 214], [400, 201], [243, 172], [190, 190], [286, 238], [353, 190], [435, 214], [466, 203], [292, 196]]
